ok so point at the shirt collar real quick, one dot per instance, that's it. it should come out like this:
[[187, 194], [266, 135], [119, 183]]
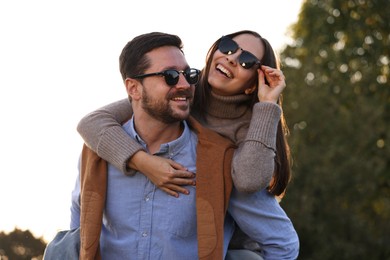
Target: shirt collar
[[171, 149]]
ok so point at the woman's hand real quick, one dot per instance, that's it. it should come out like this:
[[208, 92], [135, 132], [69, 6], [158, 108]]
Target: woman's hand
[[166, 174], [276, 84]]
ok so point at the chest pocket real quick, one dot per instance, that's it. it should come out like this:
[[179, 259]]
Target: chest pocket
[[182, 214]]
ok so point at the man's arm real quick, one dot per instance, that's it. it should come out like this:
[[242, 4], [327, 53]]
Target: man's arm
[[260, 216]]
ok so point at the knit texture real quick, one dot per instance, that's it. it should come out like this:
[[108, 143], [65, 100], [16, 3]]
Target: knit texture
[[253, 130]]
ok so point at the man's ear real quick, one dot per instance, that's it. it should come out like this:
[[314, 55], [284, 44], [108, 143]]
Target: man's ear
[[133, 88]]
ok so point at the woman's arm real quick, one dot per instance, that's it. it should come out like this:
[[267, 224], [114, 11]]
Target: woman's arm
[[103, 133], [254, 160]]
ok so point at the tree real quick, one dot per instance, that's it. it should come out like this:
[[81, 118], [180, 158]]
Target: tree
[[21, 245], [337, 106]]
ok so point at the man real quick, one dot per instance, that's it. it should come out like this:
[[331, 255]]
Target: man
[[139, 220]]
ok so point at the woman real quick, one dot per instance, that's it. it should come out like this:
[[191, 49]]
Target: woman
[[238, 96]]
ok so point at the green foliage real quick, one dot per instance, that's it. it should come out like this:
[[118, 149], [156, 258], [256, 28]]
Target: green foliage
[[337, 106], [21, 245]]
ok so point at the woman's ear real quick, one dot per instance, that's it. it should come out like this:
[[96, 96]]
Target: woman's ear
[[133, 88], [250, 90]]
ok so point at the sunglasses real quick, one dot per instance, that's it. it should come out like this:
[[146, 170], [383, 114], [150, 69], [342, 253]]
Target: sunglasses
[[171, 76], [246, 59]]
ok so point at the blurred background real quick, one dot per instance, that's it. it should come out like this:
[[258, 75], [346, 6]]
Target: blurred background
[[337, 106], [335, 57]]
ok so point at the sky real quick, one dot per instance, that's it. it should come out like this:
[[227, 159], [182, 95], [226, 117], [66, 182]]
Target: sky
[[59, 61]]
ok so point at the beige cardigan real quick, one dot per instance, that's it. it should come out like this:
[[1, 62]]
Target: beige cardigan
[[213, 188]]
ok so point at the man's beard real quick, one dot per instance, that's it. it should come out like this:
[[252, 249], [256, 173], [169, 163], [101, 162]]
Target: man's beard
[[160, 109]]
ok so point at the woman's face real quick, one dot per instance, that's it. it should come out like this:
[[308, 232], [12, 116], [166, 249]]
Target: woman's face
[[227, 77]]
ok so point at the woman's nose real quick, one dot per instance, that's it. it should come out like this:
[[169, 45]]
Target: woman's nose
[[232, 58]]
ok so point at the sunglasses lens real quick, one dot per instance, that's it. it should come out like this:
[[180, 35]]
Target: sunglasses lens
[[192, 76], [171, 77], [247, 60], [227, 46]]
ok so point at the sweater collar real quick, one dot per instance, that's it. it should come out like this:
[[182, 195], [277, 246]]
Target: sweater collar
[[228, 106]]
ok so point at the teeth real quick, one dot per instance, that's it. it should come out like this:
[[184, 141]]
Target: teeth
[[224, 71], [179, 98]]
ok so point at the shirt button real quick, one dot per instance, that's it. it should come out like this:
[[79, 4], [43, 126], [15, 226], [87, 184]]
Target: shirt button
[[147, 198], [144, 234]]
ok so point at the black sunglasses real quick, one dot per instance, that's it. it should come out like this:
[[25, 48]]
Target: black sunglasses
[[171, 76], [246, 59]]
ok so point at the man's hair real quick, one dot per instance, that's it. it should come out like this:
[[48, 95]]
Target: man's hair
[[133, 60]]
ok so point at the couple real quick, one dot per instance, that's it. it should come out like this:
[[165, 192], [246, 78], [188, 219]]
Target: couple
[[160, 150]]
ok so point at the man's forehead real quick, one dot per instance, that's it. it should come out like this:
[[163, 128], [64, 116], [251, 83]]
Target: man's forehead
[[167, 57]]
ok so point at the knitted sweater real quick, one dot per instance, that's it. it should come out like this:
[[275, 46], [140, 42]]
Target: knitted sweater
[[214, 184], [253, 130]]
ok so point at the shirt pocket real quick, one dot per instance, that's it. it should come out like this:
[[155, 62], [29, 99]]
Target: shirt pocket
[[182, 214]]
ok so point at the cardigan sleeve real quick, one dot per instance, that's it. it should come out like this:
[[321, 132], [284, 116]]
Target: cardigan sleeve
[[103, 133], [254, 159]]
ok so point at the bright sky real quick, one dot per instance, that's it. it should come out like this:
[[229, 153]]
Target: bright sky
[[59, 61]]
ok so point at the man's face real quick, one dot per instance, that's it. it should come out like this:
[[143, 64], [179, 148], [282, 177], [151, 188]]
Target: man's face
[[159, 100]]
